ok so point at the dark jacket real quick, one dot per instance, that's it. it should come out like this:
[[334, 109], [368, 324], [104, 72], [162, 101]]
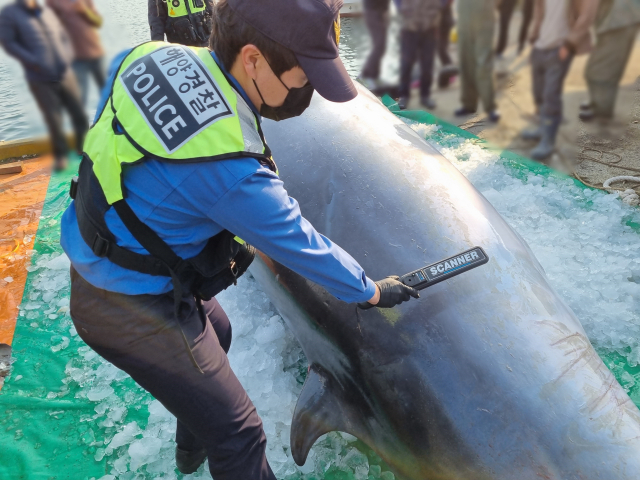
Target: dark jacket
[[420, 15], [159, 22], [37, 39], [379, 5]]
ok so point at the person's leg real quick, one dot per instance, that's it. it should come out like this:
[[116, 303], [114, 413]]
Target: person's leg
[[467, 59], [97, 70], [182, 364], [444, 34], [47, 96], [377, 23], [551, 110], [527, 16], [484, 66], [70, 97], [554, 75], [538, 69], [408, 53], [606, 67], [81, 69], [534, 133], [428, 44], [218, 319], [506, 12]]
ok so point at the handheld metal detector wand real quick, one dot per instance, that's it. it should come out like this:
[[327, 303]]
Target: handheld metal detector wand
[[445, 269]]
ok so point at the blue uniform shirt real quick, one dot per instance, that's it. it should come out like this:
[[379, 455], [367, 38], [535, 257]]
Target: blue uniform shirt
[[186, 204]]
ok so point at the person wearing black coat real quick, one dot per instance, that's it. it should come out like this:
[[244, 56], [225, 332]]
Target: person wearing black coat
[[193, 30], [33, 35]]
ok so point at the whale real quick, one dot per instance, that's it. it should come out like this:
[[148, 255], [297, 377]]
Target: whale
[[488, 375]]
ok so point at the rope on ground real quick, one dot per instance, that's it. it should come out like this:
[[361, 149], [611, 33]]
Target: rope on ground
[[628, 196]]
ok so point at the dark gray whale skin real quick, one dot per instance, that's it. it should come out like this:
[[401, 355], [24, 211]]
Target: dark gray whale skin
[[488, 375]]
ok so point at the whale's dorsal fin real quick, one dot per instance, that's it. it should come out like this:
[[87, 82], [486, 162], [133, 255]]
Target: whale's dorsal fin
[[319, 410]]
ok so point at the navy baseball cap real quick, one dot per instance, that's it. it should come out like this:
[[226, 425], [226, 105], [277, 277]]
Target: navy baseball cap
[[309, 28]]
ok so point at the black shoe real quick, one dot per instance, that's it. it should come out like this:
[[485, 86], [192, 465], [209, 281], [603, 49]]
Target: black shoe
[[462, 111], [403, 102], [587, 115], [586, 105], [494, 116], [188, 461], [428, 102]]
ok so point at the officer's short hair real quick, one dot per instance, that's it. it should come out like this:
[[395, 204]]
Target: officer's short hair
[[229, 33]]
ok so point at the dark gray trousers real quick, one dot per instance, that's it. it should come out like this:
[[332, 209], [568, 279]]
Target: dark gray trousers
[[140, 335], [85, 68], [414, 45], [52, 98], [377, 23], [506, 12], [549, 73]]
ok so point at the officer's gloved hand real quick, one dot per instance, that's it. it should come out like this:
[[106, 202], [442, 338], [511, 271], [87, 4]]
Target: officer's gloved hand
[[392, 293]]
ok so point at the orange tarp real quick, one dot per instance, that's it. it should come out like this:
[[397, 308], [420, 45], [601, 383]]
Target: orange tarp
[[21, 199]]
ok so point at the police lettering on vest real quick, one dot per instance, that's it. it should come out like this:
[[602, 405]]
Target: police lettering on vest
[[175, 93]]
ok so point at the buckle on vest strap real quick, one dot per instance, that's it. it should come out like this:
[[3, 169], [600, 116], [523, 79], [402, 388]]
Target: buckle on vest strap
[[100, 246], [73, 190]]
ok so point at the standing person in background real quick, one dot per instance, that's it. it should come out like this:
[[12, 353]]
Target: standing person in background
[[476, 20], [183, 21], [376, 15], [82, 20], [527, 16], [447, 22], [561, 30], [617, 25], [505, 9], [419, 35], [34, 36]]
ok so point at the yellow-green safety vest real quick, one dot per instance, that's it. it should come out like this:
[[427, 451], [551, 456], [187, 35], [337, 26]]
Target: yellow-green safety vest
[[177, 8], [170, 102]]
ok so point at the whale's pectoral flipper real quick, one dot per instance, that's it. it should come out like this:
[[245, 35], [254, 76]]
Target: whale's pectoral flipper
[[320, 409]]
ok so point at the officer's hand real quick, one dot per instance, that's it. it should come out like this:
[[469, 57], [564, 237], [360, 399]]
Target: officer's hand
[[392, 292]]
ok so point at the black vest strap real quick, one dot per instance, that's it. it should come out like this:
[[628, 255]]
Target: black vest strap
[[216, 267], [91, 205]]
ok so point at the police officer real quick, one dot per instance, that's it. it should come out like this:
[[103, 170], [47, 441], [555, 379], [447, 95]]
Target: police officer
[[175, 166], [183, 21]]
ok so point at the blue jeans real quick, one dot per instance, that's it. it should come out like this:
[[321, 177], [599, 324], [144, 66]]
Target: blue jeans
[[84, 68]]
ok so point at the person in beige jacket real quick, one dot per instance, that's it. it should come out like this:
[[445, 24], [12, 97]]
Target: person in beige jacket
[[617, 26], [561, 30]]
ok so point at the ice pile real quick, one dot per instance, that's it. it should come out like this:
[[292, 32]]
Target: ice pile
[[582, 238]]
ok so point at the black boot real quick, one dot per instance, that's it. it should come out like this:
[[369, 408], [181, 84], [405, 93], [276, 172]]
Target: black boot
[[188, 461]]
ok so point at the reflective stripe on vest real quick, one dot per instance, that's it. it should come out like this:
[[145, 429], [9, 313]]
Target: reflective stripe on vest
[[177, 8], [172, 103]]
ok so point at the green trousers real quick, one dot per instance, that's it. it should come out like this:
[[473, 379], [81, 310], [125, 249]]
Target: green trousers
[[606, 67], [476, 20]]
